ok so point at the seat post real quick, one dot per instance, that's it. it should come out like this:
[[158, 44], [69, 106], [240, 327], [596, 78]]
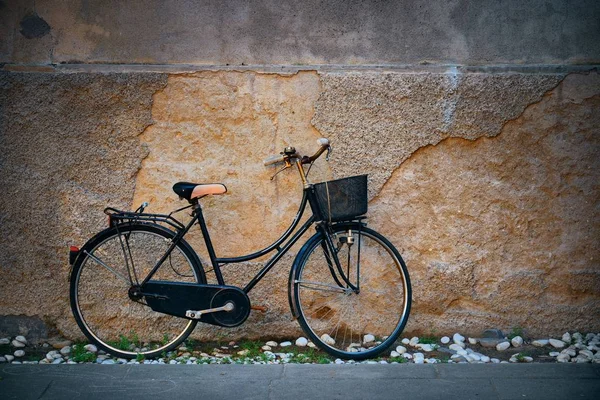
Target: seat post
[[209, 247]]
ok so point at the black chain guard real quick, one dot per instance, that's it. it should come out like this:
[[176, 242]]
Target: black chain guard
[[176, 298]]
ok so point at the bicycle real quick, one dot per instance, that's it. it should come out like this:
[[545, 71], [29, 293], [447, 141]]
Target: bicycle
[[138, 288]]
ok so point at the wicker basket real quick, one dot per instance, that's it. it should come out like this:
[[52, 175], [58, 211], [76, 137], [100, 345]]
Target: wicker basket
[[342, 199]]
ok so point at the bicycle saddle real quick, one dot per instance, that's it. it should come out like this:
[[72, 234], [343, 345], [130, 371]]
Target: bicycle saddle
[[191, 191]]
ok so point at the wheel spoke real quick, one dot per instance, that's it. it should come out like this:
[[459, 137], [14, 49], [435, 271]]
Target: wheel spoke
[[380, 308], [102, 263], [110, 314]]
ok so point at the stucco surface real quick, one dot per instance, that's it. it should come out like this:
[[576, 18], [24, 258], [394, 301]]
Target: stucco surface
[[486, 183], [351, 32], [377, 120], [504, 231], [69, 148]]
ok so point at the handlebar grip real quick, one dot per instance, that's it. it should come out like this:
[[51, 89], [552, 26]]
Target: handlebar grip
[[323, 141], [274, 159]]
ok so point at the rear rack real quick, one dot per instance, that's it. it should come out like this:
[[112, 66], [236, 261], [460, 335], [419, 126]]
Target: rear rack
[[121, 217]]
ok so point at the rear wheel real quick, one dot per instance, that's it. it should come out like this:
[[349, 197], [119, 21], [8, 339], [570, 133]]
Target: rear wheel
[[105, 296], [358, 311]]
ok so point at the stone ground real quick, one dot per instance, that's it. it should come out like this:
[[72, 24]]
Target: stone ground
[[494, 346], [501, 381]]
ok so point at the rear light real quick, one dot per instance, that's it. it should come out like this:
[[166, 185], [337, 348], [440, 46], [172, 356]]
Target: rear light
[[73, 253]]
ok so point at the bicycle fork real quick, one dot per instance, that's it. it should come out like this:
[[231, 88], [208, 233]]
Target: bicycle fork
[[331, 251]]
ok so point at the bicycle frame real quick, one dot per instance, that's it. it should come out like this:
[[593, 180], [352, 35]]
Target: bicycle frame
[[198, 217]]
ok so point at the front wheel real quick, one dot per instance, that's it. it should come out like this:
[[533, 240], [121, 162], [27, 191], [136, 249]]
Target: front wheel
[[105, 296], [355, 310]]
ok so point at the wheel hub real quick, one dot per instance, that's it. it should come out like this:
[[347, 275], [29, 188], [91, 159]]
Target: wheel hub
[[135, 292]]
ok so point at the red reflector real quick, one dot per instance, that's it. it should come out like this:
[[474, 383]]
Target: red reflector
[[74, 248]]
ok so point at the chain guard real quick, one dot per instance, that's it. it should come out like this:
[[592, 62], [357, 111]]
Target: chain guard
[[176, 298]]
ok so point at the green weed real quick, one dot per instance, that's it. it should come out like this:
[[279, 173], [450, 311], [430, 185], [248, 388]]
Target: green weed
[[80, 354], [516, 331], [253, 347], [428, 340]]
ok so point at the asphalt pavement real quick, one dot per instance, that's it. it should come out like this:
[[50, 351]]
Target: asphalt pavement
[[293, 381]]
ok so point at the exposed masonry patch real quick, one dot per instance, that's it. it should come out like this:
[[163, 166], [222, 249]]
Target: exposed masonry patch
[[516, 215], [377, 120]]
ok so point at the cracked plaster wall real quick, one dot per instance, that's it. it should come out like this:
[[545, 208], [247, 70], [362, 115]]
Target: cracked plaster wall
[[486, 183]]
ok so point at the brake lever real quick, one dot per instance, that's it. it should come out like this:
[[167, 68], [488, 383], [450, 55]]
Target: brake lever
[[287, 165]]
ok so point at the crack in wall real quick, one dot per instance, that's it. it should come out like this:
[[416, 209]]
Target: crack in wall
[[427, 146]]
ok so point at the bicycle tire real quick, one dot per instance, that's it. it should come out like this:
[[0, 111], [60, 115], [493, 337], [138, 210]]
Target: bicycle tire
[[100, 299], [325, 304]]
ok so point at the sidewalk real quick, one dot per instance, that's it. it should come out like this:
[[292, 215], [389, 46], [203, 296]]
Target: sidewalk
[[292, 381]]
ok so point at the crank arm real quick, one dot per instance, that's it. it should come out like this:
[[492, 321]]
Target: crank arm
[[193, 314]]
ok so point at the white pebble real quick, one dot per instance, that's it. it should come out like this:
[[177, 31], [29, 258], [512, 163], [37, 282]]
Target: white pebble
[[21, 339], [413, 342], [445, 340], [339, 361], [5, 341], [267, 348], [563, 358], [502, 346], [16, 343], [408, 356], [91, 348], [427, 347], [110, 362], [394, 353], [401, 349], [517, 341], [456, 346], [472, 341], [553, 354], [566, 337], [458, 338], [540, 342], [328, 339], [571, 352], [311, 345], [285, 344], [405, 341], [557, 344], [58, 361], [9, 357], [587, 353], [368, 338], [485, 359], [301, 342], [580, 359], [272, 343], [19, 353], [495, 360], [65, 351]]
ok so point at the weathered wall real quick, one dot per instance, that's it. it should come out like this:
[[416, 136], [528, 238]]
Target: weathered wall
[[477, 123], [307, 32], [487, 183]]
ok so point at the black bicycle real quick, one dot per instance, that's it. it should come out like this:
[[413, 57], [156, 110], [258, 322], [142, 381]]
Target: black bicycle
[[138, 287]]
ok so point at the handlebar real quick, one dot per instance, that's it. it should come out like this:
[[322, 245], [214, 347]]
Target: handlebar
[[287, 154]]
